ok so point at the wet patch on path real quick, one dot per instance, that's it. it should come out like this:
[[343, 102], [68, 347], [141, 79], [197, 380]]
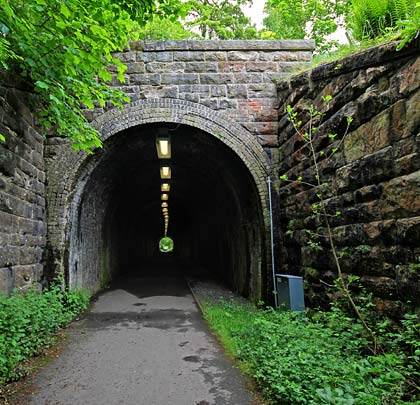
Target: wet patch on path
[[143, 342]]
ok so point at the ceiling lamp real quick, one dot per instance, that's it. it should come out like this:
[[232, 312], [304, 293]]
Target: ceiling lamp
[[164, 205], [163, 146], [165, 197], [165, 187], [165, 172]]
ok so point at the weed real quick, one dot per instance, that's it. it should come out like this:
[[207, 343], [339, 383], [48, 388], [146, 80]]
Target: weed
[[319, 359], [29, 320]]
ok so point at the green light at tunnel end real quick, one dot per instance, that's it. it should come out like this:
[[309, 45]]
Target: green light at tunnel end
[[166, 245]]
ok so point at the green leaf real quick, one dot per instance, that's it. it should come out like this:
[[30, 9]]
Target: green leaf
[[326, 99], [2, 138], [42, 85], [89, 104], [64, 10], [104, 75]]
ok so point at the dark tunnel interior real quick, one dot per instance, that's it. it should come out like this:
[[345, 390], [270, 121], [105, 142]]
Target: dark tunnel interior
[[215, 215]]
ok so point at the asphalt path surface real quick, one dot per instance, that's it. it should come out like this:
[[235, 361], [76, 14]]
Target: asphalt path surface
[[143, 342]]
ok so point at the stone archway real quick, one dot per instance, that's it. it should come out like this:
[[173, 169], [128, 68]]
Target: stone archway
[[177, 111], [69, 172]]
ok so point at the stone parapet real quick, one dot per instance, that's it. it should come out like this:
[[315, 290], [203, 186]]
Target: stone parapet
[[237, 78], [226, 45]]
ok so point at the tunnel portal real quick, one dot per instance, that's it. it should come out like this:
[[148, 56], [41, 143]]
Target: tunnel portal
[[216, 218]]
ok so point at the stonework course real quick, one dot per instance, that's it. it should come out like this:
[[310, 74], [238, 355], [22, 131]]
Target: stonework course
[[374, 177], [237, 78], [22, 190]]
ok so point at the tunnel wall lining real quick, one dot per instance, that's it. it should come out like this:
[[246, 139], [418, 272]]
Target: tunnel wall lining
[[68, 171]]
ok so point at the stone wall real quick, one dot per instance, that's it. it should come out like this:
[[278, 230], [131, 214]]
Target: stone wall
[[22, 190], [235, 77], [197, 83], [213, 86], [374, 177]]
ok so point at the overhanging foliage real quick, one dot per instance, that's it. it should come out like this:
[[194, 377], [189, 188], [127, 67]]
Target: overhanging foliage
[[65, 48]]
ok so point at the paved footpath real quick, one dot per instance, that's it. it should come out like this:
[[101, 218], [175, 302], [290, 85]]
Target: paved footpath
[[143, 342]]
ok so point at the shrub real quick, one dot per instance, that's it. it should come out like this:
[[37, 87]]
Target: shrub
[[28, 321]]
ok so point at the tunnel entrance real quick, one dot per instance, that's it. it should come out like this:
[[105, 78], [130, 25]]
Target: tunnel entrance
[[216, 218]]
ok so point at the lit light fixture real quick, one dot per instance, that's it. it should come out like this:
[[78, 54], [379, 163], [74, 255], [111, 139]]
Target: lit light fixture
[[163, 146], [165, 187], [165, 172], [164, 205], [165, 210], [165, 197]]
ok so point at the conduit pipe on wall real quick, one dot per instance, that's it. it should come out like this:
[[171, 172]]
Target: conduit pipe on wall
[[273, 269]]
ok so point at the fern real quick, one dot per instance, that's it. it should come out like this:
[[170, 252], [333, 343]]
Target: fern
[[373, 18], [410, 27]]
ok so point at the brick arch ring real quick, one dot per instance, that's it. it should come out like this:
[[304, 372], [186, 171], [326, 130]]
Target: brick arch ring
[[233, 135], [77, 167]]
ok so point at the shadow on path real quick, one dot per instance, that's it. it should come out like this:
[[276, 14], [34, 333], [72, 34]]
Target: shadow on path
[[142, 342]]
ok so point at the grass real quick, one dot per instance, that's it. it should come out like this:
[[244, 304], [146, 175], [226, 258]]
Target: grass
[[344, 50], [322, 359]]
